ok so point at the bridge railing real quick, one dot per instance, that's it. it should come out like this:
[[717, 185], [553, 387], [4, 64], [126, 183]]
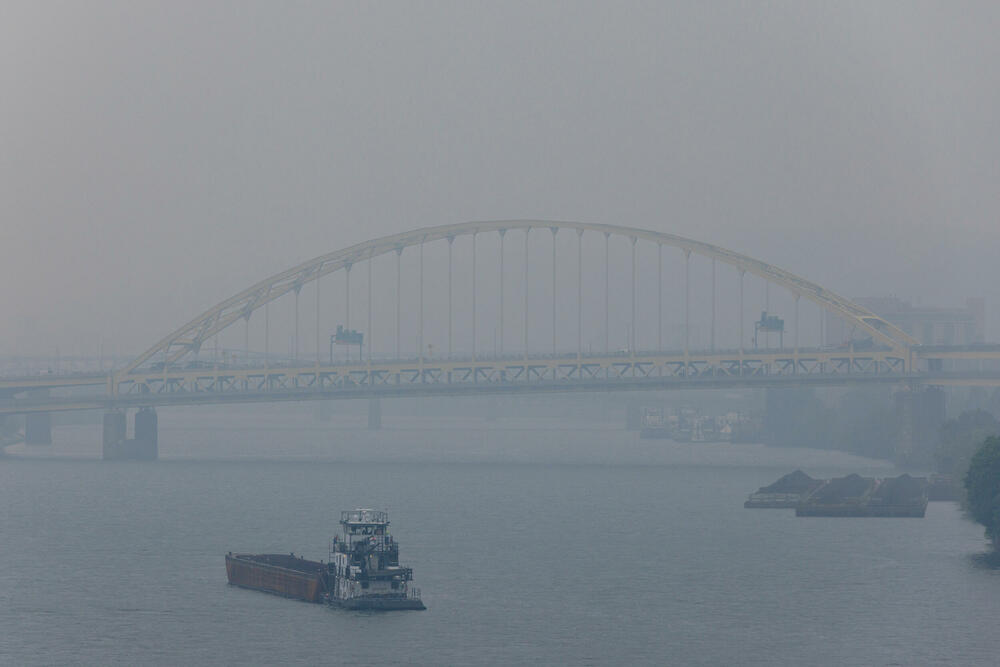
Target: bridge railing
[[512, 369]]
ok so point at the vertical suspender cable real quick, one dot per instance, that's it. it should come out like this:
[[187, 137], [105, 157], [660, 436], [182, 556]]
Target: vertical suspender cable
[[317, 325], [687, 305], [742, 273], [399, 254], [420, 333], [659, 297], [451, 242], [632, 336], [579, 294], [767, 308], [500, 342], [822, 327], [607, 319], [369, 332], [527, 233], [713, 304], [796, 324], [554, 230], [474, 296]]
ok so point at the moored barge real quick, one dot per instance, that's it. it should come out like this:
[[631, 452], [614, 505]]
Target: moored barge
[[856, 496], [787, 492]]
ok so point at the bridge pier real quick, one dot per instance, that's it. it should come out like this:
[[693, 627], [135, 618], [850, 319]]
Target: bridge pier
[[323, 411], [633, 416], [374, 414], [492, 409], [117, 446], [38, 428], [147, 434], [920, 413], [113, 434], [787, 415]]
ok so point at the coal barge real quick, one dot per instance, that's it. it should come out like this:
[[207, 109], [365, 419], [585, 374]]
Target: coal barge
[[363, 571], [857, 496], [787, 492]]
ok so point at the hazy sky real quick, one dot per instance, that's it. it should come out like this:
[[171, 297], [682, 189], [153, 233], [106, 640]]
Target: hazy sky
[[156, 158]]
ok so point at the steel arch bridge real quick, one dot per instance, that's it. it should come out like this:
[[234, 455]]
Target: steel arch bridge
[[171, 366]]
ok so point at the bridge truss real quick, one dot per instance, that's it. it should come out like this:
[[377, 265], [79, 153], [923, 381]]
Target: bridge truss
[[520, 372]]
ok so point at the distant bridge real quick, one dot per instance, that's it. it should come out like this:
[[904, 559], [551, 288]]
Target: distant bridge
[[557, 315]]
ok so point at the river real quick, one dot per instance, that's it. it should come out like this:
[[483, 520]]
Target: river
[[532, 540]]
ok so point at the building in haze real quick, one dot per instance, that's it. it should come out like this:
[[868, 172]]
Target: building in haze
[[930, 325]]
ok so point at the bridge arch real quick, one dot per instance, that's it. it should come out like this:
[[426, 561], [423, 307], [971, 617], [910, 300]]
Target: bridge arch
[[190, 337]]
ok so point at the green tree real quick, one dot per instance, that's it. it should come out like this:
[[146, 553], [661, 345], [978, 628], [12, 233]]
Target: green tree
[[982, 485]]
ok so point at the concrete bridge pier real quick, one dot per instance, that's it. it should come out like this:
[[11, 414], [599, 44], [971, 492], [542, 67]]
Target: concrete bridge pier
[[117, 446], [920, 413], [374, 414], [787, 413], [38, 428], [323, 411], [113, 435], [633, 416], [492, 409], [147, 434]]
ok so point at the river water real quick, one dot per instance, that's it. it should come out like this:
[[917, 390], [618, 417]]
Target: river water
[[532, 540]]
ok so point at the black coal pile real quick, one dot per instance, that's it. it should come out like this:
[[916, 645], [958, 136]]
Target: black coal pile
[[900, 490], [842, 489], [793, 482]]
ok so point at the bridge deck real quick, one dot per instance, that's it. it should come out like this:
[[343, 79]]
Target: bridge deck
[[294, 382]]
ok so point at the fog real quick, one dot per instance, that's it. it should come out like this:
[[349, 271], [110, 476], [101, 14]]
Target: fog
[[156, 158]]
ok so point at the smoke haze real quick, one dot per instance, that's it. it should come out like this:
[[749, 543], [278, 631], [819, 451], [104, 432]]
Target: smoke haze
[[159, 157]]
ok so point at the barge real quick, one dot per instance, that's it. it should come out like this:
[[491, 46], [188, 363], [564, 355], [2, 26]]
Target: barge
[[787, 492], [856, 496], [363, 571], [852, 496], [288, 576]]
